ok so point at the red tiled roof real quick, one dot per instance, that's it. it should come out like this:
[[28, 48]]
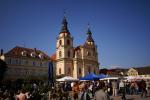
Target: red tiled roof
[[17, 52], [53, 57], [143, 70]]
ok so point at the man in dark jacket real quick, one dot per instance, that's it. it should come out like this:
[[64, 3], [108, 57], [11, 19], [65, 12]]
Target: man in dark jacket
[[143, 88]]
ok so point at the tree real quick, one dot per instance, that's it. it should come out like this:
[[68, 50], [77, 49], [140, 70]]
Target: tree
[[3, 67]]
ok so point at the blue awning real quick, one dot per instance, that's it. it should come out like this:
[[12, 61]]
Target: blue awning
[[90, 76]]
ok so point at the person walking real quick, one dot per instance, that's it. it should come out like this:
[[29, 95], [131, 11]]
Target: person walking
[[75, 90], [100, 94], [83, 93], [21, 96], [122, 90], [115, 88], [143, 88], [148, 87]]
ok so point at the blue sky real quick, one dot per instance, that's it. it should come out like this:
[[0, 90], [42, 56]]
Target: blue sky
[[121, 28]]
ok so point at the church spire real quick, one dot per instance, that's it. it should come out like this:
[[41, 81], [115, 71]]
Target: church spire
[[64, 28], [89, 39]]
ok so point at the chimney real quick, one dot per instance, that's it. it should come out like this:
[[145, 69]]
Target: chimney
[[1, 52]]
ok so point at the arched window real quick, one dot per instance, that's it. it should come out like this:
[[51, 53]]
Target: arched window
[[60, 54], [88, 53], [59, 70], [68, 42], [68, 53], [69, 71], [80, 71], [60, 42], [94, 50]]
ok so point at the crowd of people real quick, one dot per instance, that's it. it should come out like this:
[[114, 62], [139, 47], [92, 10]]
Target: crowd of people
[[30, 91], [78, 90], [94, 90]]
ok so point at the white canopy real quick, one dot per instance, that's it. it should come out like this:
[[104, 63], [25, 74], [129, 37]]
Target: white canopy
[[110, 78], [67, 78], [133, 78]]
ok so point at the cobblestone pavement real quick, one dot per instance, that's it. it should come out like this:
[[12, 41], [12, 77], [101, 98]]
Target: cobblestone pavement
[[130, 97]]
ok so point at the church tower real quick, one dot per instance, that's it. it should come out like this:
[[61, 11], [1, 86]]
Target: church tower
[[64, 51], [90, 55]]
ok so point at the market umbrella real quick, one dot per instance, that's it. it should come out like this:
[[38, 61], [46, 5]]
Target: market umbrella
[[102, 76], [89, 77]]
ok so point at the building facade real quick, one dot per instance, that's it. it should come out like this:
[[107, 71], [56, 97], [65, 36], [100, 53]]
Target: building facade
[[141, 71], [75, 61], [132, 72], [26, 63]]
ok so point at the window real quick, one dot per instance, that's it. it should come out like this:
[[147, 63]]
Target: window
[[40, 63], [80, 71], [69, 71], [33, 54], [33, 63], [26, 62], [94, 71], [89, 69], [88, 53], [68, 42], [60, 42], [9, 61], [41, 56], [60, 54], [59, 70], [24, 53], [16, 61], [20, 61], [68, 53], [93, 49]]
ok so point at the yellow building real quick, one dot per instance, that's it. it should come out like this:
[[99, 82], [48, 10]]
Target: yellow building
[[141, 71], [75, 61], [26, 63], [132, 72]]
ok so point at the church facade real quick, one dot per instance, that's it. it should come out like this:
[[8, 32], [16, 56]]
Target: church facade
[[75, 61]]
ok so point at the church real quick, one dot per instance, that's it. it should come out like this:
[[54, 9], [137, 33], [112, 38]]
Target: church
[[75, 61]]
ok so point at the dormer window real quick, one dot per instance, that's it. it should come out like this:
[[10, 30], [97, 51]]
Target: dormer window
[[33, 54], [41, 56], [24, 53]]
